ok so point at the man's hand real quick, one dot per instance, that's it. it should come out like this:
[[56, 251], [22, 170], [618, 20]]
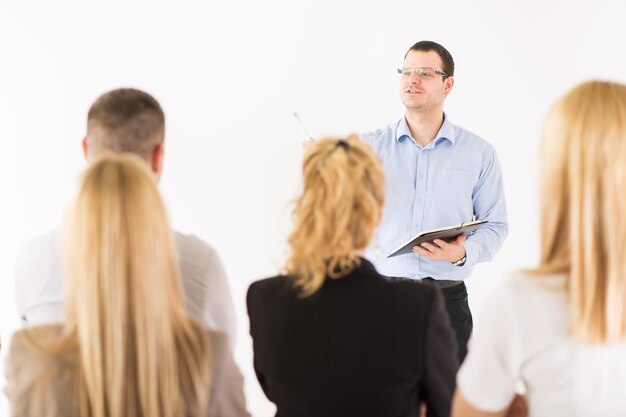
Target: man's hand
[[440, 250]]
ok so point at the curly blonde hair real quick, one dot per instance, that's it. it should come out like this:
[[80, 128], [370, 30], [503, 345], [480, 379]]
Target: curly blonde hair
[[337, 213]]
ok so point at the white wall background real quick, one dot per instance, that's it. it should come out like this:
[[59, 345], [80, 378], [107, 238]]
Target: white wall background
[[230, 74]]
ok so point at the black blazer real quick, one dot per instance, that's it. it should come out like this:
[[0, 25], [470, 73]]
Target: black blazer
[[360, 346]]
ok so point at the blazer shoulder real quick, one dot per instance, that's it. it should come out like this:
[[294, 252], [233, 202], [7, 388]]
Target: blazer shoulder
[[267, 293], [269, 285]]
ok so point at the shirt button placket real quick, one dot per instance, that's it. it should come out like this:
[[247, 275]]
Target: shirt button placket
[[420, 189]]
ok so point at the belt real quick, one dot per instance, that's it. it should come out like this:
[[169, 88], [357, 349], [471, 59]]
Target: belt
[[442, 283]]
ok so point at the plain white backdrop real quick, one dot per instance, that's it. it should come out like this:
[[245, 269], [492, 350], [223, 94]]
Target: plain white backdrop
[[229, 75]]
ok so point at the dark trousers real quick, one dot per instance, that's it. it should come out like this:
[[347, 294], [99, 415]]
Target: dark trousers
[[458, 309]]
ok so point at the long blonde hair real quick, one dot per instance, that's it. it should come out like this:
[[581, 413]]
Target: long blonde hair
[[583, 206], [140, 354], [337, 212]]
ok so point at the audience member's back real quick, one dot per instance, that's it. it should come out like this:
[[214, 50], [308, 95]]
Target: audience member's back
[[333, 337]]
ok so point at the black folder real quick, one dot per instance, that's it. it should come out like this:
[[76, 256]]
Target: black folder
[[445, 233]]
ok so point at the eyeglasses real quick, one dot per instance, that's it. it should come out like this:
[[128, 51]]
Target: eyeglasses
[[424, 73]]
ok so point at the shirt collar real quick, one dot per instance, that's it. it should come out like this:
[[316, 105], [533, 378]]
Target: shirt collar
[[446, 131]]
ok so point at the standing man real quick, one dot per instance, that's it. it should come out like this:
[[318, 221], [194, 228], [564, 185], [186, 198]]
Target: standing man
[[437, 175], [126, 120]]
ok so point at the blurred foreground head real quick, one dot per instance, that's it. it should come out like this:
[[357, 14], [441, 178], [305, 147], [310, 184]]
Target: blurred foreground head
[[583, 206]]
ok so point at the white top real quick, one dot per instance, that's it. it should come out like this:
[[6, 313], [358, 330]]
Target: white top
[[523, 336], [40, 293]]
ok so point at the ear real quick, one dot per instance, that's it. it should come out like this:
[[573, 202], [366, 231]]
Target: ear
[[156, 160], [448, 83], [84, 145]]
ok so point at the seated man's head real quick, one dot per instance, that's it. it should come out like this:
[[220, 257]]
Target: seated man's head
[[126, 120]]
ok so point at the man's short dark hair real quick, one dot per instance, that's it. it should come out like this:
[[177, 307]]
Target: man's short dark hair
[[446, 58], [125, 120]]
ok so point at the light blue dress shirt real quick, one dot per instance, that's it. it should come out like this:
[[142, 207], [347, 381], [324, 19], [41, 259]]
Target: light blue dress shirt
[[452, 180]]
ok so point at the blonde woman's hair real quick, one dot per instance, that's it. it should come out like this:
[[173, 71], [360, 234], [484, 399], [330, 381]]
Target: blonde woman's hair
[[583, 207], [139, 353], [337, 212]]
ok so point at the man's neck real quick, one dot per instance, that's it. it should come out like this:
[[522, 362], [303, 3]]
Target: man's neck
[[424, 126]]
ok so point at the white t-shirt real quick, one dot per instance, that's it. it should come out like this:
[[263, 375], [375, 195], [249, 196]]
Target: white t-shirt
[[40, 293], [523, 336]]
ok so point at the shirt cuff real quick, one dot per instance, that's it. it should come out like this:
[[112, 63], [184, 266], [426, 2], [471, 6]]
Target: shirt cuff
[[472, 252]]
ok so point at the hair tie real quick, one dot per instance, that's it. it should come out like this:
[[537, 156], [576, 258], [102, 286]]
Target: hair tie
[[342, 143]]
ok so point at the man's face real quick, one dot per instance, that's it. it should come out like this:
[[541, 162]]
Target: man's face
[[423, 93]]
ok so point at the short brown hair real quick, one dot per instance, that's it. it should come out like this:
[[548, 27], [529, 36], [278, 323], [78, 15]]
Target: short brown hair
[[446, 58], [125, 120]]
